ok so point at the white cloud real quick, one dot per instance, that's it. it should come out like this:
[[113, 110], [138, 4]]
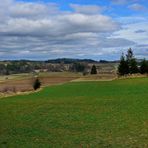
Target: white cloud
[[58, 25], [131, 19], [39, 30], [87, 9], [136, 31], [119, 2], [22, 9], [123, 2], [137, 7], [129, 32]]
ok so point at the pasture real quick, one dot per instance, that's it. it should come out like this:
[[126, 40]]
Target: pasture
[[102, 114]]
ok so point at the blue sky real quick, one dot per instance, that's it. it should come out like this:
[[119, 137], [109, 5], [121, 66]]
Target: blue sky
[[118, 9], [48, 29]]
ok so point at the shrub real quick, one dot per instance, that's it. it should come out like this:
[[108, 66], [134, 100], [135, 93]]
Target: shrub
[[36, 84]]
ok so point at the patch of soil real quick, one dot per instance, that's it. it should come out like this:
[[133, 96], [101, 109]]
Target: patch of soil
[[26, 84]]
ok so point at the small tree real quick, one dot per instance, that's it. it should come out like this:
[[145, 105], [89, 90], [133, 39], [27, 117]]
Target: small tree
[[93, 70], [144, 67], [133, 66], [36, 84], [123, 67]]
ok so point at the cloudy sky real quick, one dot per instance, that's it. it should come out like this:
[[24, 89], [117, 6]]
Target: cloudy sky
[[96, 29]]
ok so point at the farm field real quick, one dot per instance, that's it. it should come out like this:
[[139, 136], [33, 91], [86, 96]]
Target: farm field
[[111, 114], [18, 83], [23, 82]]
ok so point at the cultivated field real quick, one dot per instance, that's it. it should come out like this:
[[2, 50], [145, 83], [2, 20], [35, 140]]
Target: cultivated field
[[17, 83], [109, 114], [12, 84]]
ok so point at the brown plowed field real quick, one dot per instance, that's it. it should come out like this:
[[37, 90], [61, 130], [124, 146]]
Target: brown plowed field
[[25, 84]]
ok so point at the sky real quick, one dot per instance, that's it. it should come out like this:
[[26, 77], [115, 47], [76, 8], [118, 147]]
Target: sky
[[90, 29]]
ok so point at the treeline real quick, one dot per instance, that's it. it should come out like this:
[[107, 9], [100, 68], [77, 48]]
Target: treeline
[[70, 61], [22, 66], [83, 68], [15, 67], [129, 65]]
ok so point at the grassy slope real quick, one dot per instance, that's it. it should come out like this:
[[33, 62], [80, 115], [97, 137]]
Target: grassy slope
[[81, 114]]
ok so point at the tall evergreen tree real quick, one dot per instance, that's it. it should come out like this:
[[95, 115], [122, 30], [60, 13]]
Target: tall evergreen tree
[[132, 63], [129, 55], [123, 67], [93, 70], [144, 67], [133, 66]]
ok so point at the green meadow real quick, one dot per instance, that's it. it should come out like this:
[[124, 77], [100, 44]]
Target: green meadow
[[111, 114]]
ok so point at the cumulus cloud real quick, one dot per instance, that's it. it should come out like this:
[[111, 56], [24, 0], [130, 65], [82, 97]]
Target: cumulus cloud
[[87, 9], [30, 9], [129, 31], [137, 7], [135, 29], [39, 30], [58, 25]]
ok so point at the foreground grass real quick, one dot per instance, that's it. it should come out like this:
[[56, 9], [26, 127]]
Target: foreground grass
[[79, 114]]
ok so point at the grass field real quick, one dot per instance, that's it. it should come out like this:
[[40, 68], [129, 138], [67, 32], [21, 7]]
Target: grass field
[[111, 114]]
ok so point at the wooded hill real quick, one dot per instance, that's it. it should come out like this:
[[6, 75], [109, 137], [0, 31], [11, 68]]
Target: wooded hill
[[54, 65]]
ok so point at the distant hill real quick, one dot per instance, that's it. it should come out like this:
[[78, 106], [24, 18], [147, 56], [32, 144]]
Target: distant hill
[[70, 61], [62, 60]]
